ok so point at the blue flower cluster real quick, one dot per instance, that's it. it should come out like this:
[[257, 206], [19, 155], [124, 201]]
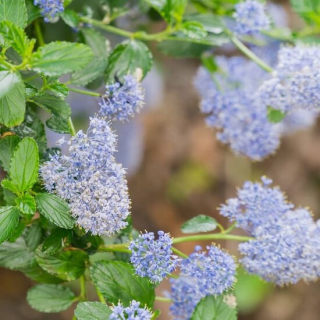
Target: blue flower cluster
[[286, 244], [50, 9], [91, 180], [153, 258], [202, 274], [250, 18], [133, 312], [122, 101]]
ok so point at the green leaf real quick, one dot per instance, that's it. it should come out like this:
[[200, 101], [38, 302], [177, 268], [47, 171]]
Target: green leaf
[[36, 273], [200, 223], [14, 11], [307, 9], [9, 185], [97, 42], [92, 311], [58, 88], [26, 204], [50, 298], [70, 18], [67, 265], [54, 105], [33, 11], [127, 57], [58, 58], [55, 241], [194, 30], [12, 99], [55, 210], [9, 219], [209, 63], [58, 124], [211, 23], [17, 232], [34, 236], [214, 308], [7, 146], [24, 165], [275, 115], [116, 281], [182, 49]]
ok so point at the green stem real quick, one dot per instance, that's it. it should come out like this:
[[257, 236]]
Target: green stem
[[101, 297], [38, 33], [179, 253], [88, 93], [163, 299], [7, 64], [71, 127], [250, 54], [83, 293], [214, 236], [121, 247], [230, 228]]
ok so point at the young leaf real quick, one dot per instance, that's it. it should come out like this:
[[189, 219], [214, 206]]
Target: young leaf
[[92, 311], [127, 57], [194, 30], [67, 265], [34, 235], [9, 185], [200, 223], [58, 88], [14, 11], [26, 204], [24, 165], [50, 298], [58, 58], [58, 124], [275, 116], [12, 99], [116, 281], [214, 308], [7, 146], [55, 210], [9, 219]]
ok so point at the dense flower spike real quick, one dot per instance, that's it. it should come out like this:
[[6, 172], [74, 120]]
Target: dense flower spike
[[286, 243], [50, 9], [133, 312], [153, 258], [122, 101], [91, 180], [250, 17]]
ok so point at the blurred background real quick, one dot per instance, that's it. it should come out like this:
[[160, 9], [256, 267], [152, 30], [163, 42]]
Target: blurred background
[[177, 170]]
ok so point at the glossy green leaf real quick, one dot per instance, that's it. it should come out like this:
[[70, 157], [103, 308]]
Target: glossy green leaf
[[9, 219], [33, 235], [169, 9], [70, 18], [36, 273], [275, 115], [194, 30], [58, 58], [67, 265], [55, 210], [24, 165], [55, 241], [97, 42], [116, 281], [58, 124], [58, 88], [33, 11], [14, 11], [7, 147], [26, 204], [200, 223], [211, 23], [50, 298], [17, 232], [215, 308], [12, 99], [128, 57], [92, 311]]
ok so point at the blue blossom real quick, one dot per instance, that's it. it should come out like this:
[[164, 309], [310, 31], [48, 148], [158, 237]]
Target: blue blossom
[[50, 9], [122, 101], [250, 17], [90, 180], [133, 312], [153, 258]]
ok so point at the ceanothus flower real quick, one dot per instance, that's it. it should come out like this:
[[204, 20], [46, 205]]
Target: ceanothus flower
[[122, 100], [133, 312], [153, 258], [250, 17], [90, 180], [50, 9], [214, 270]]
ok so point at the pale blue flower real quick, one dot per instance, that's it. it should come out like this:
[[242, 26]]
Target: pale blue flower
[[50, 9], [133, 312]]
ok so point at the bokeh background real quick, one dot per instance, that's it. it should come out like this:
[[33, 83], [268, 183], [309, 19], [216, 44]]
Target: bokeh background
[[177, 170]]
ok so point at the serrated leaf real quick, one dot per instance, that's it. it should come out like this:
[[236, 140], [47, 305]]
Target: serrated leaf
[[26, 204], [170, 10], [200, 223], [7, 146], [33, 11], [275, 115], [211, 23], [9, 185], [58, 88], [55, 210], [214, 308], [58, 58], [14, 11], [127, 57], [54, 105], [33, 235], [55, 241], [67, 265], [36, 273], [92, 311], [9, 219], [116, 281], [24, 165], [97, 42], [12, 99], [50, 298], [58, 124], [17, 232], [194, 30], [70, 18]]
